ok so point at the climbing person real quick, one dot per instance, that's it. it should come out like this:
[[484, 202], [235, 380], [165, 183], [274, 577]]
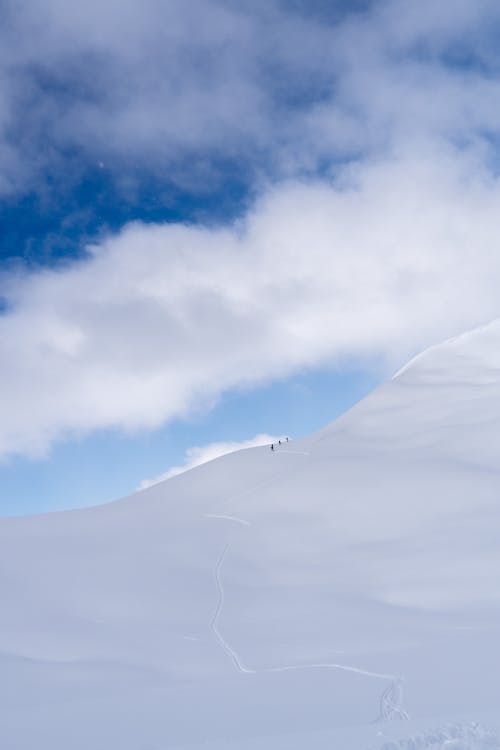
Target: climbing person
[[272, 446]]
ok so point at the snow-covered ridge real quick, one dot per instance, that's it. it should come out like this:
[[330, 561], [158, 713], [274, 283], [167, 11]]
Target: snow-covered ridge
[[475, 351], [321, 590]]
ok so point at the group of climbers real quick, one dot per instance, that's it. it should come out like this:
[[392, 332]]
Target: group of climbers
[[285, 440]]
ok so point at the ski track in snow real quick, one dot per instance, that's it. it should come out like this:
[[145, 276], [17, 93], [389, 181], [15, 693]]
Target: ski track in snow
[[228, 518], [253, 489], [296, 453], [264, 483], [392, 697], [391, 701], [331, 665], [213, 624]]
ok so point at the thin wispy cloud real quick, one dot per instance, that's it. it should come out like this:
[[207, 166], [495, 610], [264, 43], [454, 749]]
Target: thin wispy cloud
[[201, 454]]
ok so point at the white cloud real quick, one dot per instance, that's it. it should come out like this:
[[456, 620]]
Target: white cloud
[[163, 319], [201, 454], [147, 84], [384, 253], [181, 85]]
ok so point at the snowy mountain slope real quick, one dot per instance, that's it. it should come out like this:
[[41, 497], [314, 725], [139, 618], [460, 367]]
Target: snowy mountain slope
[[285, 599]]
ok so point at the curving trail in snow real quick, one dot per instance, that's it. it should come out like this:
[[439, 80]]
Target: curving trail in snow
[[391, 702], [330, 665], [213, 623], [265, 482], [284, 451], [392, 697], [228, 518]]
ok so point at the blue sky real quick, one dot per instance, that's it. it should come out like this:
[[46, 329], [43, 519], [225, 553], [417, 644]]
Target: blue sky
[[109, 464], [222, 219]]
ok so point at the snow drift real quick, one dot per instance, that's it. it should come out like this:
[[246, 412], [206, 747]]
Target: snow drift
[[341, 592]]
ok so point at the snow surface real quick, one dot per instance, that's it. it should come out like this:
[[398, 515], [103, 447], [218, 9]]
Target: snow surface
[[342, 592]]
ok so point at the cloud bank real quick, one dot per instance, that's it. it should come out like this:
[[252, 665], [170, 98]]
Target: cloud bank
[[373, 232], [190, 89], [163, 319]]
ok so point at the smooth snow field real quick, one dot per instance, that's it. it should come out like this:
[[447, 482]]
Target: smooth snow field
[[341, 593]]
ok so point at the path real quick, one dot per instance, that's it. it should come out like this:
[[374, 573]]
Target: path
[[390, 702]]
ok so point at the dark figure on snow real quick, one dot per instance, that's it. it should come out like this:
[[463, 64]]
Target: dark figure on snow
[[272, 446]]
